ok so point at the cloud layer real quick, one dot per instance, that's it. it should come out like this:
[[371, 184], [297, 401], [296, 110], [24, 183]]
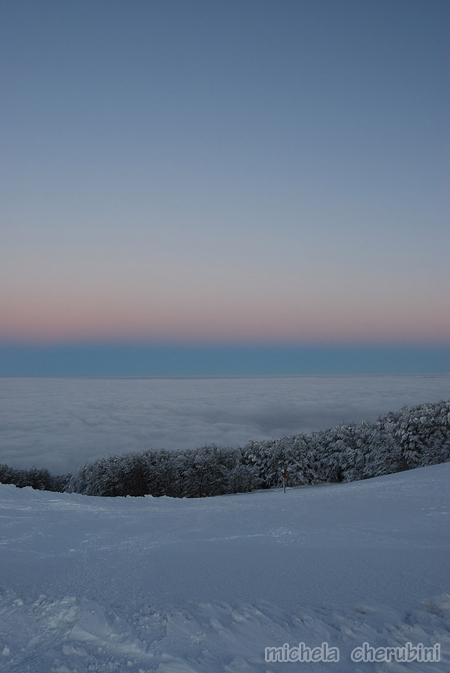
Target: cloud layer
[[63, 423]]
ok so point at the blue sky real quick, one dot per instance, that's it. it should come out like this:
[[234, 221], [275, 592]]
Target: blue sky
[[254, 173]]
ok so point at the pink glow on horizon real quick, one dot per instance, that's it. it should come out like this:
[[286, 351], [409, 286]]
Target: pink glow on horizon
[[260, 321]]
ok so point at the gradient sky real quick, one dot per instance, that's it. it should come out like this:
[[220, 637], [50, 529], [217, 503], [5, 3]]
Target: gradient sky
[[231, 172]]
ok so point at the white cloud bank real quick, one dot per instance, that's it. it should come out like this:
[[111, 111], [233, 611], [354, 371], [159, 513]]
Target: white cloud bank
[[63, 423]]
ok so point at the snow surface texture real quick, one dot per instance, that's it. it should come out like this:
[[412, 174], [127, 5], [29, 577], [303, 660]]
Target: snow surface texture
[[91, 584], [61, 424]]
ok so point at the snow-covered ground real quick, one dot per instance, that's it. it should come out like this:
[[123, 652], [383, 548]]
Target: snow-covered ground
[[182, 586]]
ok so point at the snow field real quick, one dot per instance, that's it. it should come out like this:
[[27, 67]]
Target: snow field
[[159, 585]]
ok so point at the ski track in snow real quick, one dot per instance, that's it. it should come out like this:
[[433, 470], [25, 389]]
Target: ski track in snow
[[160, 585]]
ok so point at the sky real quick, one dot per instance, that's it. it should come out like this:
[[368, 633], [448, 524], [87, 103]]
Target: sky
[[252, 174]]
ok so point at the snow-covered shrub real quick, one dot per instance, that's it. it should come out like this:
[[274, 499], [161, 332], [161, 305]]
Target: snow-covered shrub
[[39, 479]]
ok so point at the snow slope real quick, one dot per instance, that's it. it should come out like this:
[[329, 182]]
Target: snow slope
[[182, 586]]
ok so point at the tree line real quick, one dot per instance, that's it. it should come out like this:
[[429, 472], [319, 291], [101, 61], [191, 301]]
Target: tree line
[[412, 437]]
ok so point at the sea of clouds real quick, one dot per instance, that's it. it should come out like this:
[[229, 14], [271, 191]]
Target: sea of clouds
[[63, 423]]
